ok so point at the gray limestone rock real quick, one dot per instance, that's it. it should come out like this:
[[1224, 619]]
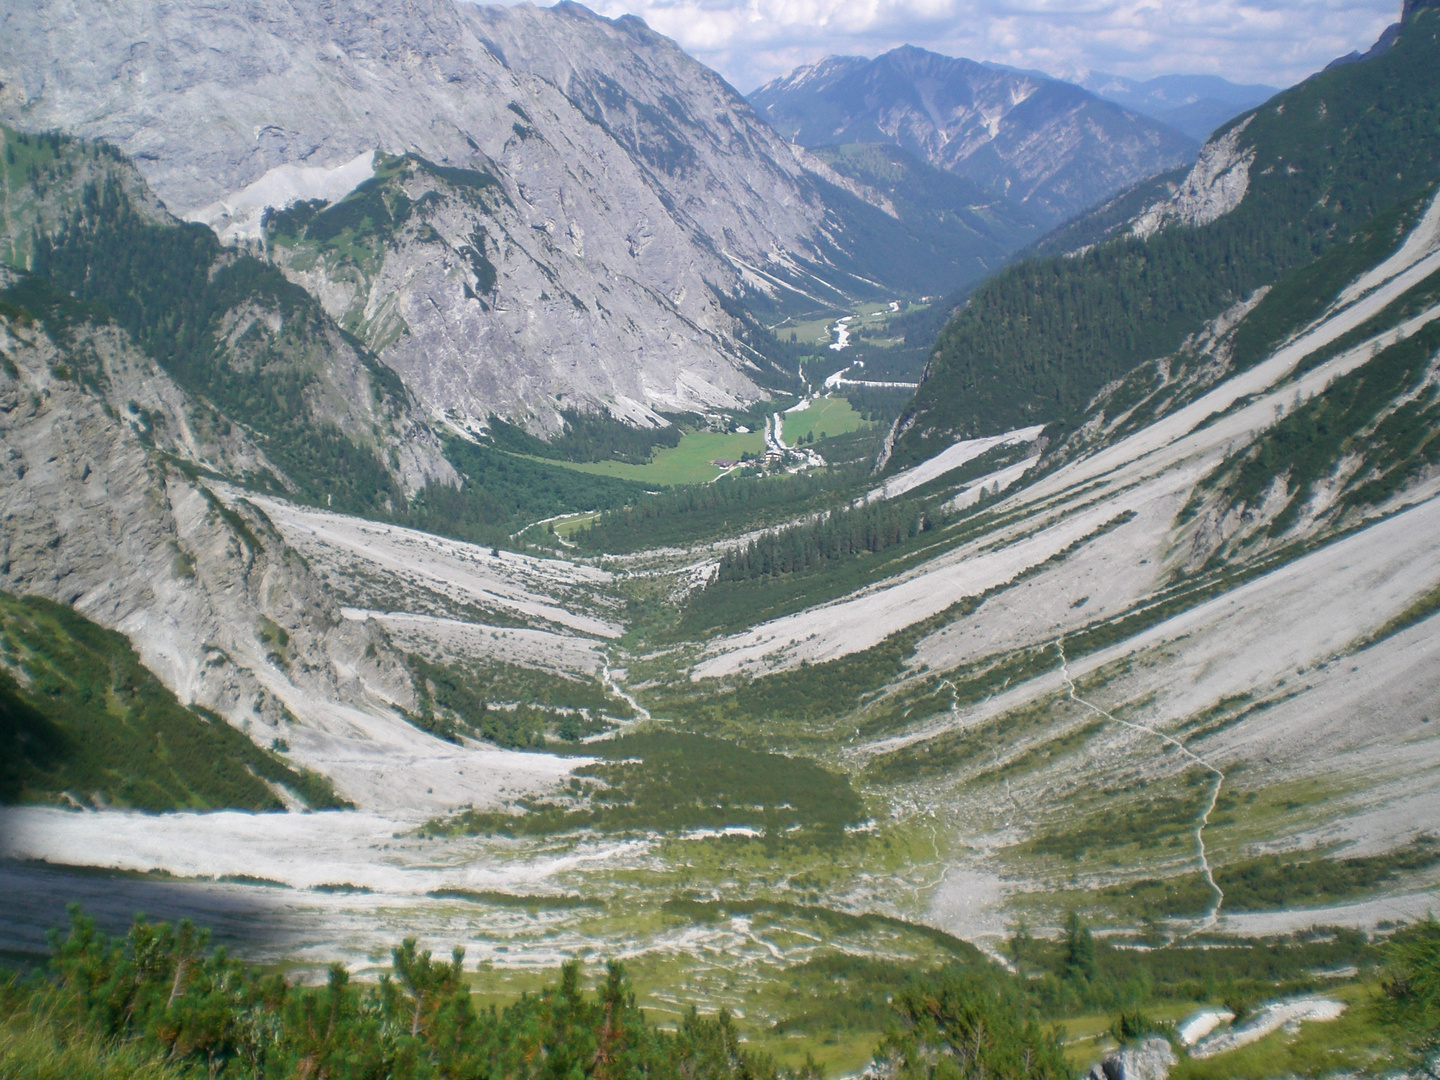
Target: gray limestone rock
[[96, 513], [1151, 1058], [1215, 185], [633, 183], [263, 333]]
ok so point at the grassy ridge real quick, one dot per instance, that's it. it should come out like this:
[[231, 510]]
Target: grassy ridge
[[82, 720], [1272, 882]]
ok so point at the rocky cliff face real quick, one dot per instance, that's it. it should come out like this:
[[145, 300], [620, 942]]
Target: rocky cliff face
[[632, 184], [482, 311], [247, 346], [104, 507], [131, 345], [1046, 144], [108, 503], [1214, 186]]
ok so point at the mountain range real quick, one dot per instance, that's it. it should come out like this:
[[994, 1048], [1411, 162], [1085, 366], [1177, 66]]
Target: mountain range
[[1042, 143], [614, 212], [613, 197], [1270, 192], [1193, 104]]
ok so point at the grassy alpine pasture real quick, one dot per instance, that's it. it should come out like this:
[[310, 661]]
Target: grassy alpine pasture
[[690, 461], [686, 463], [809, 331], [822, 418]]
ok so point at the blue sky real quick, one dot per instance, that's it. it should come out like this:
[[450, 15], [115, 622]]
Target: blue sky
[[1267, 41]]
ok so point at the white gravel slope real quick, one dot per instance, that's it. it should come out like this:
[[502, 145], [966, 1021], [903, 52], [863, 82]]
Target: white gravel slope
[[366, 850], [562, 593], [1326, 603], [1164, 460], [950, 458], [561, 653]]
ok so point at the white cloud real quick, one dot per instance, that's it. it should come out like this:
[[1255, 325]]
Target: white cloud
[[1270, 41]]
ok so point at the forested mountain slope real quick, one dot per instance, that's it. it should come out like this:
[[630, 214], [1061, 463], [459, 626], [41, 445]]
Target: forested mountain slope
[[1273, 191], [227, 326]]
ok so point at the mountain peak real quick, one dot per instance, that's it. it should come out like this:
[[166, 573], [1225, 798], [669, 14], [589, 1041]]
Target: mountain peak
[[1049, 145], [910, 54], [827, 67]]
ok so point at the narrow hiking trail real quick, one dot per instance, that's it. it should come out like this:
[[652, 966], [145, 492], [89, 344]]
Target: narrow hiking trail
[[1213, 914]]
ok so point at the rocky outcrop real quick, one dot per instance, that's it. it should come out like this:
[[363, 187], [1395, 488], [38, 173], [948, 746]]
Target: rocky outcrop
[[1151, 1058], [480, 311], [103, 506], [106, 504], [248, 347], [1214, 186]]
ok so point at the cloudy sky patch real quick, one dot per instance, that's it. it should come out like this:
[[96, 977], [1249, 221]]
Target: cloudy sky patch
[[1264, 41]]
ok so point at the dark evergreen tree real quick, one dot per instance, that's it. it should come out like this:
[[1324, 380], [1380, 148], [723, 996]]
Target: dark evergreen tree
[[1079, 957]]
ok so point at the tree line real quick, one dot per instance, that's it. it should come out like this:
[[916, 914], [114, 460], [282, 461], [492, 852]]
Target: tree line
[[838, 536]]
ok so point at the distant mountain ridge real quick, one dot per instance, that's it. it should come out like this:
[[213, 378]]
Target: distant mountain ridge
[[1193, 104], [1046, 144], [1137, 279]]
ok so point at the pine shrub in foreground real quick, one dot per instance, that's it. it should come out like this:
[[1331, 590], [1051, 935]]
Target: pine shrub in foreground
[[160, 1003]]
